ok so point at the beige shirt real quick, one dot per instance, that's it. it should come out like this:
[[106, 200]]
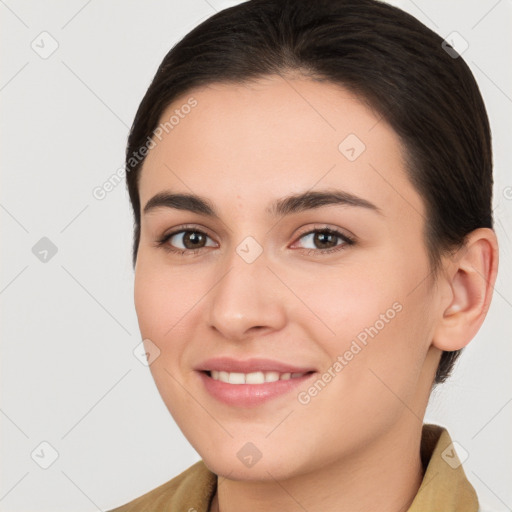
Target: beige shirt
[[444, 488]]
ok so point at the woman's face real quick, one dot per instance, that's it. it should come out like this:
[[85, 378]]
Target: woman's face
[[352, 310]]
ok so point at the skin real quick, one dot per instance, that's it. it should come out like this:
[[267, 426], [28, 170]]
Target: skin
[[242, 147]]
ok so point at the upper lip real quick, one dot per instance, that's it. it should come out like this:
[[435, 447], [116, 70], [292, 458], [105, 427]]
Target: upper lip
[[228, 364]]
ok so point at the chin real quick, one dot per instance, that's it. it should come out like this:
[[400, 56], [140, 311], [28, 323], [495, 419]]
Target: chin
[[269, 470], [247, 463]]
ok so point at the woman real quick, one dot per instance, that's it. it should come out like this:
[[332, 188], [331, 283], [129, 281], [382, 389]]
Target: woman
[[313, 248]]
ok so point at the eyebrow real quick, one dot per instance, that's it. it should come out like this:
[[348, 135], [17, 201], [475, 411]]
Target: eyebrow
[[285, 206]]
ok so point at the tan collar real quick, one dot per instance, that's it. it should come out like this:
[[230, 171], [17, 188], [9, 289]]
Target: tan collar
[[444, 486]]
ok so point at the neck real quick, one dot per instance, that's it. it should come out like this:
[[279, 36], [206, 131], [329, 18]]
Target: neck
[[385, 478]]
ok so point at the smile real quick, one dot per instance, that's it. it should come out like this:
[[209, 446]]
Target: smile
[[252, 389], [253, 377]]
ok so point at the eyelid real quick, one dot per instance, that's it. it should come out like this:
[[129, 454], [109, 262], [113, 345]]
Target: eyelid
[[163, 240], [342, 233], [186, 227], [347, 239]]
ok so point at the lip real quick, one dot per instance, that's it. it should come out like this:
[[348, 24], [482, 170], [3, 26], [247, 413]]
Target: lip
[[250, 395], [228, 364]]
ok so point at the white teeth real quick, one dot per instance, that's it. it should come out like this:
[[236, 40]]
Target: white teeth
[[252, 378], [236, 378], [255, 378], [271, 376]]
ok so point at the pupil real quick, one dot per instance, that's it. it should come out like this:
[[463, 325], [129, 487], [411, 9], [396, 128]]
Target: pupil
[[194, 238], [321, 237]]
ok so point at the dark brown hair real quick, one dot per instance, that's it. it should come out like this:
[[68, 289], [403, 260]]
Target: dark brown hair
[[387, 58]]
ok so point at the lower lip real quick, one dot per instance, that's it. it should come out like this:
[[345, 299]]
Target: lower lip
[[248, 395]]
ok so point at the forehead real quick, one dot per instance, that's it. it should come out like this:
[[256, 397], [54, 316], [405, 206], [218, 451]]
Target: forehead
[[274, 137]]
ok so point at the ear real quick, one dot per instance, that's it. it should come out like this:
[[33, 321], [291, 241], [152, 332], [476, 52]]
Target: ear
[[470, 277]]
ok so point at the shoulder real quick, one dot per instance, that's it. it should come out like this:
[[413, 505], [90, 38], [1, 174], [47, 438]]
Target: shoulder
[[190, 490]]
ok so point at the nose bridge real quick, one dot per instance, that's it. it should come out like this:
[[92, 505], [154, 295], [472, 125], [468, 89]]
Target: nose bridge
[[244, 297]]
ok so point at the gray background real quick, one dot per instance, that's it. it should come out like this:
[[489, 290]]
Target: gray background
[[69, 374]]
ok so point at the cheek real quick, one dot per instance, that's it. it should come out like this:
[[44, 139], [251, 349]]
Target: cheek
[[150, 301], [164, 301], [374, 322], [346, 301]]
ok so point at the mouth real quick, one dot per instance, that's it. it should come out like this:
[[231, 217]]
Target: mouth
[[255, 388], [258, 377]]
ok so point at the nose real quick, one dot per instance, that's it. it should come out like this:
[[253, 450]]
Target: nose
[[247, 299]]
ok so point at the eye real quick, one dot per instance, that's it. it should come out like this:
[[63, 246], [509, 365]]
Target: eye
[[190, 241], [325, 240], [185, 241]]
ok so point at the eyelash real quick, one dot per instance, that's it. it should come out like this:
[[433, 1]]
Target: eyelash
[[162, 242]]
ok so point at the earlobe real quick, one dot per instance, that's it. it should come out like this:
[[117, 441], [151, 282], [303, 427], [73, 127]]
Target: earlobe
[[471, 280]]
